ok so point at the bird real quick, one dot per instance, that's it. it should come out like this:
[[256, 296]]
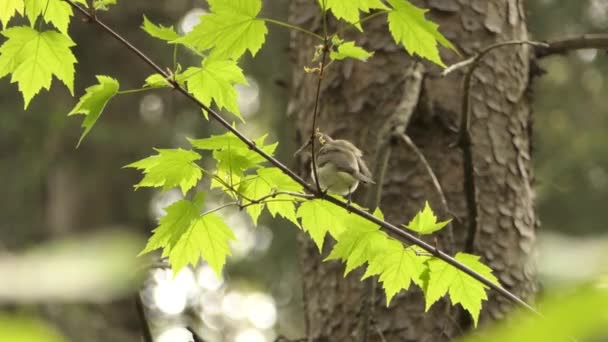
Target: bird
[[340, 166]]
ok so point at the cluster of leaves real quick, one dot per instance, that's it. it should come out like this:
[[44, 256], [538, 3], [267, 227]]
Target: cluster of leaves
[[186, 233]]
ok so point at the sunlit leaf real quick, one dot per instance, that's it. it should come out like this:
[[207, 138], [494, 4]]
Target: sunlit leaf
[[397, 266], [320, 217], [350, 50], [92, 103], [34, 58], [359, 243], [8, 9], [418, 35], [425, 221], [349, 9], [169, 168], [207, 237], [159, 31], [57, 12], [462, 288], [215, 81], [230, 29]]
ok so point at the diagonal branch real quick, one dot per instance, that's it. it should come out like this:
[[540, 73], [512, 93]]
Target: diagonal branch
[[564, 45], [390, 228]]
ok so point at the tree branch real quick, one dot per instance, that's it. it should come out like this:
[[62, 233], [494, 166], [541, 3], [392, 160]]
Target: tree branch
[[391, 229], [143, 321], [565, 45]]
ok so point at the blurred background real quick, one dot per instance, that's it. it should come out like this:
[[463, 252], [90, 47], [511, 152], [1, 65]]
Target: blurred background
[[66, 211]]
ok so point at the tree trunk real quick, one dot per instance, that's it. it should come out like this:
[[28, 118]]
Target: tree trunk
[[357, 101]]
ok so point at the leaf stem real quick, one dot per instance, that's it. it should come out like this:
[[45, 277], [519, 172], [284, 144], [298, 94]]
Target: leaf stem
[[131, 91], [292, 27]]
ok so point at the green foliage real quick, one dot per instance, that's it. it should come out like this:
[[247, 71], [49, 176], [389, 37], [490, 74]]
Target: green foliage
[[233, 156], [425, 222], [418, 35], [170, 168], [215, 80], [159, 31], [185, 235], [20, 328], [229, 30], [8, 8], [267, 182], [94, 101], [397, 267], [57, 12], [320, 217], [348, 50], [34, 57], [463, 289], [577, 314], [349, 9], [359, 243]]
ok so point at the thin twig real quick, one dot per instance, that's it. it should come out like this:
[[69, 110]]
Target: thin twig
[[317, 99], [475, 59], [143, 321], [561, 46], [391, 229], [429, 170]]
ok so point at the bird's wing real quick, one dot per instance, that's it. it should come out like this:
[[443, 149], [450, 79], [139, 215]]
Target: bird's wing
[[344, 161], [364, 174]]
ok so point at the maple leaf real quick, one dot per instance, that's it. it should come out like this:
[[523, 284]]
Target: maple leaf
[[214, 81], [418, 35], [463, 289], [159, 31], [397, 266], [8, 8], [425, 221], [362, 241], [92, 103], [349, 9], [230, 29], [350, 50], [57, 12], [34, 58], [169, 168], [320, 217]]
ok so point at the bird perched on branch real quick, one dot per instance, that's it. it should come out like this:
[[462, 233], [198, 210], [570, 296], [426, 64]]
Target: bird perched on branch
[[340, 165]]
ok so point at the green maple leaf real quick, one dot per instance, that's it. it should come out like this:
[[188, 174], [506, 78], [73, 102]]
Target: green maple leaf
[[159, 31], [215, 81], [463, 289], [207, 237], [320, 217], [265, 182], [34, 57], [362, 241], [103, 4], [350, 50], [425, 222], [8, 8], [92, 103], [418, 35], [179, 217], [57, 12], [397, 266], [156, 81], [185, 235], [230, 29], [233, 156], [349, 9], [169, 168]]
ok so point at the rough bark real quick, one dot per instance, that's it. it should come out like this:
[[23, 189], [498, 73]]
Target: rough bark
[[357, 100]]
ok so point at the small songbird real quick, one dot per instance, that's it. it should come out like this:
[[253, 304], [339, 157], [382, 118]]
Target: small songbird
[[340, 166]]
